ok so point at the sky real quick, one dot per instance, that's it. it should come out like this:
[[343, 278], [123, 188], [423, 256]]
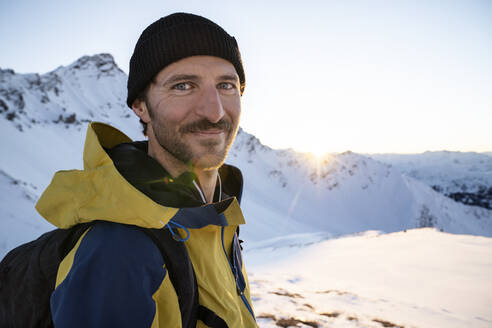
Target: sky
[[321, 76]]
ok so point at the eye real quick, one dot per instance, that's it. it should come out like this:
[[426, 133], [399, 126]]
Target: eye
[[225, 86], [182, 86]]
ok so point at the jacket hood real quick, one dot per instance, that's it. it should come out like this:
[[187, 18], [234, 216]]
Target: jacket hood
[[121, 183]]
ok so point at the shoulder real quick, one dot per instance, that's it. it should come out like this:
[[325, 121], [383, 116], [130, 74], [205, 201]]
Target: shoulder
[[113, 242], [116, 269], [109, 257]]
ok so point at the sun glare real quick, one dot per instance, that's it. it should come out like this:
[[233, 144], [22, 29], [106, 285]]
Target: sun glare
[[316, 153]]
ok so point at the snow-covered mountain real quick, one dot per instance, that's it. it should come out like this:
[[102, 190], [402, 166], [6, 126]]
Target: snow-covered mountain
[[43, 122], [342, 194], [463, 176], [92, 88]]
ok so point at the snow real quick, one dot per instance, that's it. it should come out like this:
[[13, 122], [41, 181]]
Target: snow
[[418, 278], [20, 222], [324, 240]]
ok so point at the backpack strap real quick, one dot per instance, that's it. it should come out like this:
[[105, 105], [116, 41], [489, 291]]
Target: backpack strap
[[181, 273], [183, 278]]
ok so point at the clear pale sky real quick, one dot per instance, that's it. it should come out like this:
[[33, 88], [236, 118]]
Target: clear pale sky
[[366, 76]]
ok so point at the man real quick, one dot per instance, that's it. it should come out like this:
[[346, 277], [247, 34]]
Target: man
[[185, 83]]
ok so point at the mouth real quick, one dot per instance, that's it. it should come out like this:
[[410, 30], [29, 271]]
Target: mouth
[[209, 131]]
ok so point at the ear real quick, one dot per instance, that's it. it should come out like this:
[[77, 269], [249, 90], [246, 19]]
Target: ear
[[140, 109]]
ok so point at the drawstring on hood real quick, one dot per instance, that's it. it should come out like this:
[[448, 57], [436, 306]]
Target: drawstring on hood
[[175, 235], [201, 192]]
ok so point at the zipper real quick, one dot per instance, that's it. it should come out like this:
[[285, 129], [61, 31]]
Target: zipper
[[235, 274]]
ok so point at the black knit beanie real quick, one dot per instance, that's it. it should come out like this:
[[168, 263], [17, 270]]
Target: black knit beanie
[[175, 37]]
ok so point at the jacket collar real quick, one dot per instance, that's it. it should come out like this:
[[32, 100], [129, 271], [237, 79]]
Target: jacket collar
[[111, 189], [149, 177]]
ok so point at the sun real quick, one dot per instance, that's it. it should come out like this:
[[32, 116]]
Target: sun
[[317, 153]]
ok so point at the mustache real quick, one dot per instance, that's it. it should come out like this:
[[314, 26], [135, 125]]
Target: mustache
[[203, 125]]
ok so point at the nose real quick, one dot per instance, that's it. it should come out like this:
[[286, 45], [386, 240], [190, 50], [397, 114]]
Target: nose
[[210, 106]]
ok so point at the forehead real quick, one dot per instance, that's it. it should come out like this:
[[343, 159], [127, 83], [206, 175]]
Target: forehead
[[198, 65]]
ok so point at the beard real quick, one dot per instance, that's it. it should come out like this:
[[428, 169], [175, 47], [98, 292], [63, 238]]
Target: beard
[[211, 153]]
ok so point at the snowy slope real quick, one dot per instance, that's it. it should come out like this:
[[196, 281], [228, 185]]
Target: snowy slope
[[43, 119], [463, 176], [19, 223], [419, 278]]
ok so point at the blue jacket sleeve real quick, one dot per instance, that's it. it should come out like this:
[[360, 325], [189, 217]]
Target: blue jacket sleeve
[[116, 270]]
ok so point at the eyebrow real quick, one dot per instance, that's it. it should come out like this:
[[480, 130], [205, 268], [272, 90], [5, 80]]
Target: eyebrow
[[229, 77], [195, 78], [181, 77]]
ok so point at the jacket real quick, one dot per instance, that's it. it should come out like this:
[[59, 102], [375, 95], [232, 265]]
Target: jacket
[[115, 275]]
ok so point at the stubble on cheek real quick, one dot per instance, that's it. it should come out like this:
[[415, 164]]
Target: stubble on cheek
[[181, 142]]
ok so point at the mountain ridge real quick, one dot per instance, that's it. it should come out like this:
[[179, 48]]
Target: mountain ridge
[[285, 191], [463, 176]]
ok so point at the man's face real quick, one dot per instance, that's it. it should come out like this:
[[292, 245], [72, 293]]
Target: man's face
[[193, 110]]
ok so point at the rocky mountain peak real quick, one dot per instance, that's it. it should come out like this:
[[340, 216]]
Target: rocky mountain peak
[[6, 74], [102, 62], [83, 91]]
